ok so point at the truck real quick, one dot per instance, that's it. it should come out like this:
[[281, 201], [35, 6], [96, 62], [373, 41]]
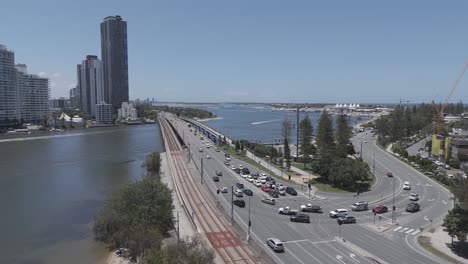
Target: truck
[[309, 208], [287, 211], [360, 206]]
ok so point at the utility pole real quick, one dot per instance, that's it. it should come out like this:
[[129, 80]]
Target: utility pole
[[393, 207], [178, 229], [201, 170], [373, 166], [250, 223], [297, 133], [232, 203], [188, 153], [361, 150]]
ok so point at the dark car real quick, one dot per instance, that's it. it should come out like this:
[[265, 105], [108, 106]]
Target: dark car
[[248, 192], [254, 176], [413, 207], [245, 171], [227, 155], [274, 193], [219, 173], [226, 163], [239, 203], [380, 209], [215, 178], [300, 218], [348, 219], [291, 191], [389, 174], [237, 170], [240, 185], [312, 208]]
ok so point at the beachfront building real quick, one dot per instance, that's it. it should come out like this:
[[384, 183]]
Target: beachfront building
[[127, 112], [8, 88], [33, 95], [103, 113]]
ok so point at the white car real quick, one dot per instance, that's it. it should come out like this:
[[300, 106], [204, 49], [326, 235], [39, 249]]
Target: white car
[[262, 179], [233, 167], [257, 183], [249, 178], [238, 193], [406, 185], [228, 158], [224, 189], [263, 174], [338, 213], [243, 175], [208, 156], [240, 166], [282, 190], [414, 197]]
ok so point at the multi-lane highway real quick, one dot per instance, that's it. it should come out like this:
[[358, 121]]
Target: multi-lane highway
[[319, 242]]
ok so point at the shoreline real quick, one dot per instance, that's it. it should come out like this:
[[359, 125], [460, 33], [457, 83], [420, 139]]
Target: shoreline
[[209, 119]]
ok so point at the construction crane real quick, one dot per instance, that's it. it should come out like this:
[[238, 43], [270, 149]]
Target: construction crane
[[440, 110]]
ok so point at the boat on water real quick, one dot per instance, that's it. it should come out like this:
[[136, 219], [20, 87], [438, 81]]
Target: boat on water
[[22, 131]]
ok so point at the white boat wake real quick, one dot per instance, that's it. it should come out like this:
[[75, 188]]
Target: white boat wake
[[264, 122]]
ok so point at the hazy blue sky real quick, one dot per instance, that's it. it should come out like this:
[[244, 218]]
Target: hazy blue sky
[[265, 51]]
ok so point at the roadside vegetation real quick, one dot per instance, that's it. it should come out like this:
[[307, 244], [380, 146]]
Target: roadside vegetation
[[425, 242], [333, 163], [186, 111], [138, 217]]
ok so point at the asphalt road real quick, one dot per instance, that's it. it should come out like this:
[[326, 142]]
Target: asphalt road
[[318, 242]]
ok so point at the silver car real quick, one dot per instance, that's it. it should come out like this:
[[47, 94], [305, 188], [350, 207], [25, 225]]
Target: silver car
[[269, 200], [275, 244]]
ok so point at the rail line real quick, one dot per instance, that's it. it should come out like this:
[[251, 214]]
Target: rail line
[[202, 207]]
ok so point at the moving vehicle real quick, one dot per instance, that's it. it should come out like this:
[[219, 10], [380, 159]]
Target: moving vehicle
[[291, 191], [233, 167], [215, 178], [238, 193], [414, 197], [219, 173], [268, 200], [217, 150], [239, 203], [311, 208], [338, 213], [389, 174], [257, 183], [413, 207], [200, 150], [348, 219], [380, 209], [227, 155], [274, 193], [275, 244], [281, 190], [240, 166], [245, 170], [248, 192], [360, 206], [237, 170], [226, 163], [228, 159], [406, 185], [300, 218], [249, 178], [202, 138], [224, 189], [208, 156], [265, 188], [287, 211], [240, 185]]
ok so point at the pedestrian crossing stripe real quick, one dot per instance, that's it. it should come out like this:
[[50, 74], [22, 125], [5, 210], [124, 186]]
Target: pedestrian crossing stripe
[[415, 232], [409, 231], [398, 228], [403, 230]]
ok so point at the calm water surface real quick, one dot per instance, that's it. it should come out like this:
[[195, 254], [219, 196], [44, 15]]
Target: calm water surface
[[51, 189]]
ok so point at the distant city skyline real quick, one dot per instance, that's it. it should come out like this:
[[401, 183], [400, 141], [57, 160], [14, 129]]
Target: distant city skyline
[[261, 51]]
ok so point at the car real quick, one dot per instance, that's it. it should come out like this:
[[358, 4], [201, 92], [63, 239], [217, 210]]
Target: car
[[338, 213], [208, 145], [281, 190], [245, 170], [242, 174], [300, 218], [200, 150], [215, 178], [249, 178], [257, 183], [227, 159], [280, 185], [274, 193], [389, 174], [275, 244], [237, 170], [380, 209], [268, 200], [239, 203], [287, 211], [227, 155], [414, 197], [365, 141], [240, 185], [233, 167], [255, 176], [291, 191], [224, 189], [248, 192], [219, 173], [201, 138], [208, 156], [311, 208], [413, 207], [348, 219], [217, 150], [263, 174], [265, 188], [226, 163], [238, 193], [262, 179], [406, 185], [360, 206], [240, 166]]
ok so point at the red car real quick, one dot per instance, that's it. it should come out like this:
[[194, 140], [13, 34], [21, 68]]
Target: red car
[[380, 209], [389, 174], [265, 188]]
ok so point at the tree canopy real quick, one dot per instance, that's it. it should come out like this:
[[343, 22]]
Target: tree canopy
[[305, 139]]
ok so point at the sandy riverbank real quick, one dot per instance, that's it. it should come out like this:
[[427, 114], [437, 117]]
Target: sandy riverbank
[[209, 119], [113, 258]]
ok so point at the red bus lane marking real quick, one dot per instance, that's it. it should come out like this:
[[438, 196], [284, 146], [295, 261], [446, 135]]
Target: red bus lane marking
[[222, 239]]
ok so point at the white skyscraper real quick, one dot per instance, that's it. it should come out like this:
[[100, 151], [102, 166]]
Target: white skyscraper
[[91, 84]]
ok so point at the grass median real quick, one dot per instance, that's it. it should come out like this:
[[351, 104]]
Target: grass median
[[425, 242]]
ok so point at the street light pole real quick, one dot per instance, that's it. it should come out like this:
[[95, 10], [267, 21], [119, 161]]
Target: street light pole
[[393, 207], [248, 230], [201, 170], [373, 166], [232, 203], [360, 154]]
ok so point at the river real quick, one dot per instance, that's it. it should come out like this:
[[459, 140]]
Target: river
[[52, 187]]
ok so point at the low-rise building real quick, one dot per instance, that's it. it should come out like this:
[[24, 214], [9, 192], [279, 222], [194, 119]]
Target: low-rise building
[[127, 112], [103, 113]]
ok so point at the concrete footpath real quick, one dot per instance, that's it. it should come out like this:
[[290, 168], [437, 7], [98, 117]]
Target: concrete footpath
[[439, 239], [185, 226]]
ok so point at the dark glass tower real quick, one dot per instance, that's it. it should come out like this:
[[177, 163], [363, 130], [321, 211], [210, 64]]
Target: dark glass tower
[[115, 60]]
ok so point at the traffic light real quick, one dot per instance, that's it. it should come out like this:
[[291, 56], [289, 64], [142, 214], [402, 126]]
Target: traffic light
[[310, 186], [217, 191], [393, 208], [250, 223]]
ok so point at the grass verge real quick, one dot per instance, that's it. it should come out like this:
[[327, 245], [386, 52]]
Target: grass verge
[[425, 242], [323, 187]]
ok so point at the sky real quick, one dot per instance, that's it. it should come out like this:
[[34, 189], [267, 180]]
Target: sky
[[254, 50]]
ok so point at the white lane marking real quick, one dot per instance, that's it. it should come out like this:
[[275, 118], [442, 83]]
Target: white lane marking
[[416, 232], [340, 259], [295, 241], [409, 231], [398, 228], [444, 202], [307, 252], [425, 218], [403, 230], [351, 255]]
